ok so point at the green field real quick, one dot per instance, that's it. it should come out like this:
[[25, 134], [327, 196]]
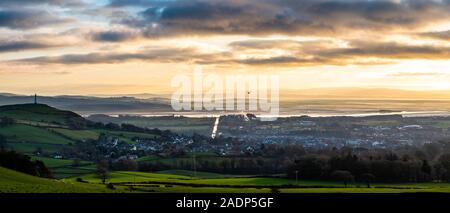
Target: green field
[[25, 133], [170, 182], [37, 113], [54, 163], [62, 168], [127, 137], [27, 139], [12, 181], [196, 174], [93, 134], [77, 134], [30, 147], [174, 182], [182, 125]]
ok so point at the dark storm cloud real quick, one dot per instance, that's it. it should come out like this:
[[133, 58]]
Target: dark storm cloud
[[27, 19], [113, 36], [305, 17], [22, 45], [306, 55]]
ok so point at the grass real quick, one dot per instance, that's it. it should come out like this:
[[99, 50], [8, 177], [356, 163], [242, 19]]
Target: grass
[[54, 163], [77, 134], [118, 177], [163, 182], [16, 182], [27, 139], [37, 113], [127, 137], [148, 158], [195, 174], [62, 168], [174, 181], [68, 172], [185, 189], [25, 133], [182, 125], [94, 134], [30, 147]]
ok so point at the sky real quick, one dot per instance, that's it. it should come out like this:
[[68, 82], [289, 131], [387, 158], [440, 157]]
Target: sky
[[84, 47]]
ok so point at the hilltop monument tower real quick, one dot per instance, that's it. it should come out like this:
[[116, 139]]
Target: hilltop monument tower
[[35, 98]]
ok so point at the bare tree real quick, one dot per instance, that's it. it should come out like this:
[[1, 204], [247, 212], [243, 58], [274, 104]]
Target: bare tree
[[103, 170], [367, 178], [344, 176]]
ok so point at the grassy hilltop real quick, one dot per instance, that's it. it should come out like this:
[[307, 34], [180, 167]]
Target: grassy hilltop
[[40, 114], [12, 181]]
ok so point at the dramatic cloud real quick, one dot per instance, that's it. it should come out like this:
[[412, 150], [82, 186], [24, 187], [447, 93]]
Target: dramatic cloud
[[304, 17], [271, 33], [159, 55], [389, 50], [315, 53], [27, 19], [23, 45], [139, 41]]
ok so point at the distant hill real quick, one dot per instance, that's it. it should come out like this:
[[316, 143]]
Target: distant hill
[[41, 113], [93, 105], [291, 101]]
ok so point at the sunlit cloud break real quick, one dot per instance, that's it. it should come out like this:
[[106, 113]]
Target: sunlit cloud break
[[345, 43]]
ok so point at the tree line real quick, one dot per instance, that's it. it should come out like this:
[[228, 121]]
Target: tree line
[[23, 163], [431, 162]]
